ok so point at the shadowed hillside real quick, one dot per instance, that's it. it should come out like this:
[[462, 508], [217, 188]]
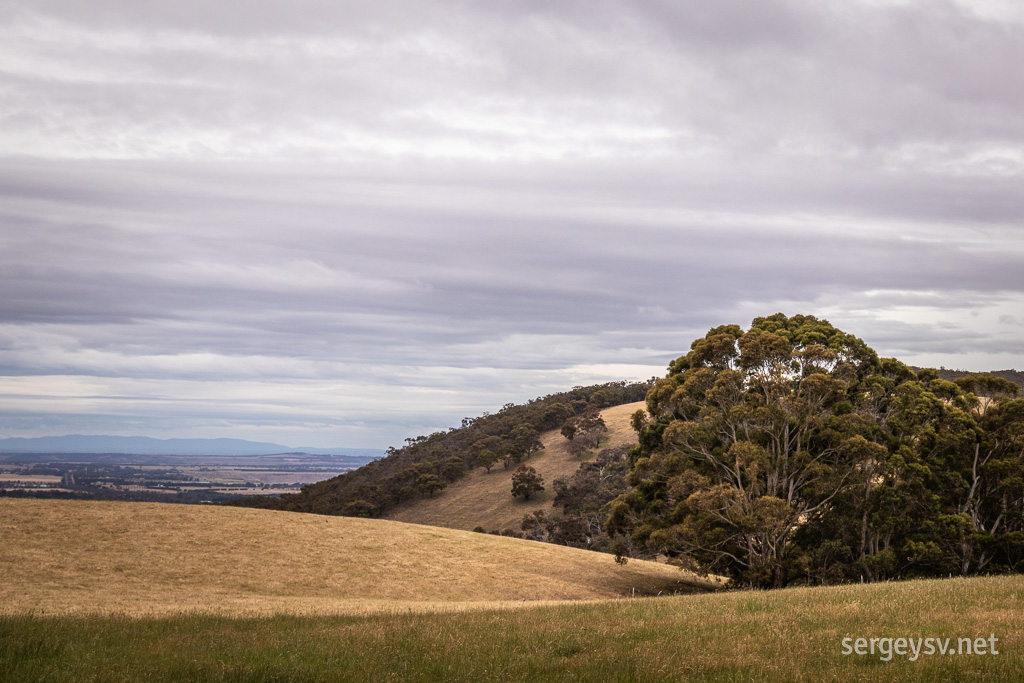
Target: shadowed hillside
[[151, 558], [482, 499]]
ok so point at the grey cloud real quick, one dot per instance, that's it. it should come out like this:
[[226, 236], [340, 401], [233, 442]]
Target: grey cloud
[[730, 25], [263, 18], [482, 202], [493, 273], [744, 75]]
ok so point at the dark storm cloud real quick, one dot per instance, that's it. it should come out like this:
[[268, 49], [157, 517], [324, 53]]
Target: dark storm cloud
[[350, 221]]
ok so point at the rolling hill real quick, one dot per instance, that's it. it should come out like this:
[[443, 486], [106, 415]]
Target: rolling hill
[[78, 557], [482, 499]]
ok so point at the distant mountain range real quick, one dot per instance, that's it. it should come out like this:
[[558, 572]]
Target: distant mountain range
[[142, 445]]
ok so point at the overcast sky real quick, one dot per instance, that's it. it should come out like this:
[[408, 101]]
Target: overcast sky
[[331, 223]]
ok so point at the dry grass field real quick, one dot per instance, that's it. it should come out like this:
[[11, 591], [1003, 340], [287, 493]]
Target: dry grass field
[[25, 478], [482, 499], [151, 559], [795, 634]]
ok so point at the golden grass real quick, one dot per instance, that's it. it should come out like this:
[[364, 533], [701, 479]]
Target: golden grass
[[77, 557], [482, 499], [791, 634]]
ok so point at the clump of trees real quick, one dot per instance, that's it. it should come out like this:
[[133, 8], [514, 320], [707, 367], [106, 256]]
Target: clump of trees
[[583, 498], [584, 432], [428, 484], [526, 482], [427, 464], [594, 485], [791, 453]]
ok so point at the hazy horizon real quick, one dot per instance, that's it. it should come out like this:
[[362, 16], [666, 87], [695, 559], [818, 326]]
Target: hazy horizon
[[143, 445]]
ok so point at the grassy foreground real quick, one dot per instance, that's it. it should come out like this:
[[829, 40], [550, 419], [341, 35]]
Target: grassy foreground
[[794, 634]]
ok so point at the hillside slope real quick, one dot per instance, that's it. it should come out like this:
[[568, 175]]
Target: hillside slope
[[153, 558], [426, 462], [482, 499]]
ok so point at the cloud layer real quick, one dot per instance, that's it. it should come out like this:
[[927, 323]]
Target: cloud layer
[[322, 223]]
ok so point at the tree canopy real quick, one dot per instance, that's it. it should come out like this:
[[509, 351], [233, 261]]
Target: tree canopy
[[791, 453], [526, 482]]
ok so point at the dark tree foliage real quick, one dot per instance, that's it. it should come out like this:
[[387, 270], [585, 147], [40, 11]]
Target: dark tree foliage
[[526, 482], [790, 453], [454, 468], [1013, 376], [358, 508], [569, 530], [510, 435], [583, 499], [594, 485], [584, 432], [486, 459], [427, 484]]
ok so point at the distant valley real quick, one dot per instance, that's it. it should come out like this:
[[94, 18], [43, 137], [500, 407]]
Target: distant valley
[[195, 471], [142, 445]]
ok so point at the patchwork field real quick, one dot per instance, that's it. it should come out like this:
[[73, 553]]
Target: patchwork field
[[191, 479], [85, 557], [482, 499]]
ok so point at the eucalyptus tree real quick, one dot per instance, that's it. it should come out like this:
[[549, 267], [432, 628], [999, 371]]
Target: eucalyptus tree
[[752, 434], [791, 452]]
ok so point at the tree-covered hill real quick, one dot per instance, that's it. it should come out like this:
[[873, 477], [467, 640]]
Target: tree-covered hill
[[1015, 376], [428, 464], [485, 500]]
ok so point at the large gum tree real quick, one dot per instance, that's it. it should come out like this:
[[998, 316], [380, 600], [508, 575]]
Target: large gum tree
[[752, 433], [790, 452]]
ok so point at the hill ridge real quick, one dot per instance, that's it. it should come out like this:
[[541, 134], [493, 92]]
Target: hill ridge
[[482, 499], [427, 464]]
